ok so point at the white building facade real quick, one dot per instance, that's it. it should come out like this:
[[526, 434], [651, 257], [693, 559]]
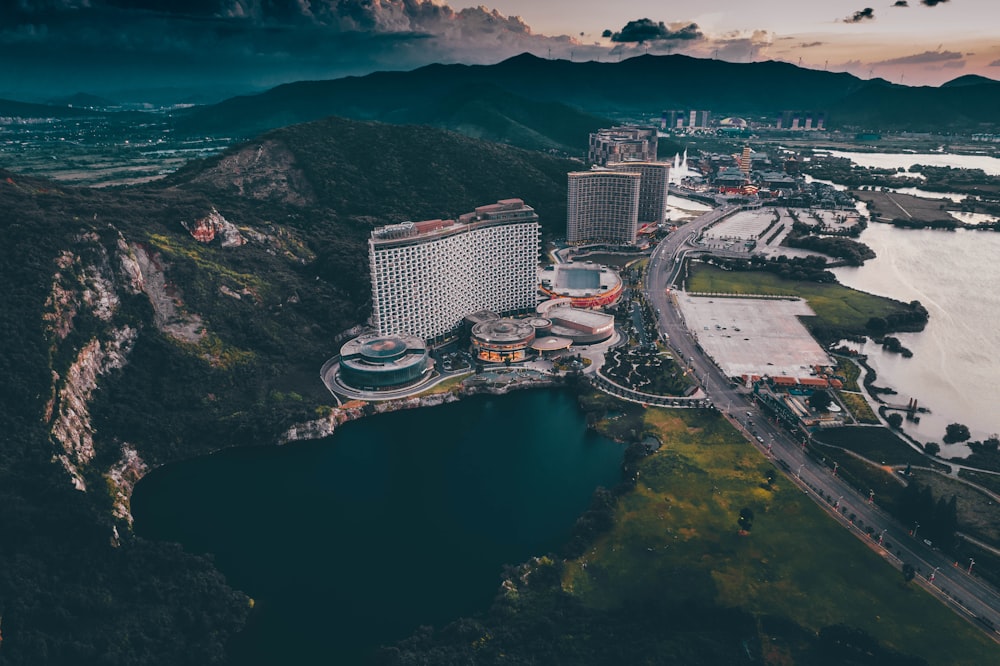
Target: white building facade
[[602, 207], [427, 276]]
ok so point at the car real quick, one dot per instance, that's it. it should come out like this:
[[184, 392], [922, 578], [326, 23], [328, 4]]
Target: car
[[760, 439]]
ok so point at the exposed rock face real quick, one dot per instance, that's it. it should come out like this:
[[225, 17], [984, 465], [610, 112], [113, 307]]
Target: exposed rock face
[[71, 429], [263, 171], [87, 280], [213, 225], [325, 427], [168, 313], [122, 478]]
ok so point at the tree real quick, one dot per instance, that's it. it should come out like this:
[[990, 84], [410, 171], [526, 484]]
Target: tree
[[746, 519], [820, 400], [932, 449], [908, 572], [956, 432], [895, 420]]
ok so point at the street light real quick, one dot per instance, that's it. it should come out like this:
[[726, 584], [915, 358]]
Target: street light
[[881, 537], [971, 562], [871, 496], [835, 466], [930, 578], [799, 473], [913, 532], [836, 505]]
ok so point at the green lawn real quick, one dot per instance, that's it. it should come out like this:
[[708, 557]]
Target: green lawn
[[837, 307], [676, 535], [880, 445], [859, 407]]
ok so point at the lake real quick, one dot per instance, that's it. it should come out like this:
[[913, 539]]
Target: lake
[[990, 165], [396, 521], [954, 368]]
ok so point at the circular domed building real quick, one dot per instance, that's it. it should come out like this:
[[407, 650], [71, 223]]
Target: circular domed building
[[502, 340], [375, 362]]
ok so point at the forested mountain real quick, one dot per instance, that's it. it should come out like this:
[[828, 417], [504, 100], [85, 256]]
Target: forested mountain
[[527, 93], [151, 324]]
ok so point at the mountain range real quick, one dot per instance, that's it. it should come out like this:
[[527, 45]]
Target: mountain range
[[526, 97]]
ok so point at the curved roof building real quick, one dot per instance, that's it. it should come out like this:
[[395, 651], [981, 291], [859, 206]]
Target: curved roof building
[[586, 284], [374, 362], [502, 340]]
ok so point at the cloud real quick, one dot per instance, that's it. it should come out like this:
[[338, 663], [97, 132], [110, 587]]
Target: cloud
[[923, 58], [901, 3], [932, 3], [809, 45], [995, 63], [109, 44], [865, 14], [646, 30]]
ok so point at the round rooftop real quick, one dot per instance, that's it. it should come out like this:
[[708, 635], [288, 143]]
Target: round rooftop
[[383, 349], [503, 330]]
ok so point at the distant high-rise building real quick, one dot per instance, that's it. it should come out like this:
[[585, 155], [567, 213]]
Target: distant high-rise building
[[801, 120], [427, 276], [602, 206], [687, 118], [653, 188], [622, 144]]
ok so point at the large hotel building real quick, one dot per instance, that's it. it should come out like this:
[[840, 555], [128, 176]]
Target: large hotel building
[[427, 276], [653, 189], [602, 206]]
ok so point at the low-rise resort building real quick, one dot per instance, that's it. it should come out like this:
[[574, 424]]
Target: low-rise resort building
[[378, 362]]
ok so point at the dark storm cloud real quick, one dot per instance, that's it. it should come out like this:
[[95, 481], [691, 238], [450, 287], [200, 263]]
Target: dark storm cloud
[[73, 43], [901, 3], [865, 14], [923, 58], [646, 30], [932, 3]]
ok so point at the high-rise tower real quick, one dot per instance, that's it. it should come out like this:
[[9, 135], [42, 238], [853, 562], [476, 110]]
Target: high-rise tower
[[602, 206], [427, 276]]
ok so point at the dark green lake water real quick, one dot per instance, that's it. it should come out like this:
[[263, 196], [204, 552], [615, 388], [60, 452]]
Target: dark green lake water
[[396, 521]]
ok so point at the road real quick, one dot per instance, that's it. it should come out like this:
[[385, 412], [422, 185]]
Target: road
[[969, 596]]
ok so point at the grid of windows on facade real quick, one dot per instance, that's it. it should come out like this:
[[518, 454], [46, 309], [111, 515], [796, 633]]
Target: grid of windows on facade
[[426, 281], [653, 188], [602, 206]]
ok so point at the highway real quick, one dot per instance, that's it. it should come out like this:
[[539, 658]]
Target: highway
[[966, 594]]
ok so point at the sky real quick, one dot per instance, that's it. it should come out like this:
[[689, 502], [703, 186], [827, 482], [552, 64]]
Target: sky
[[59, 47]]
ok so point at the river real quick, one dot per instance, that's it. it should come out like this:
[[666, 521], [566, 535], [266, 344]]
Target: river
[[396, 521]]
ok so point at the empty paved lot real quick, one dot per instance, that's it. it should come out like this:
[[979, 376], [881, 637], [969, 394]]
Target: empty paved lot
[[753, 336]]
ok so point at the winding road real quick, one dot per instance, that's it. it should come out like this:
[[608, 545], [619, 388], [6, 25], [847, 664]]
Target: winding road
[[946, 579]]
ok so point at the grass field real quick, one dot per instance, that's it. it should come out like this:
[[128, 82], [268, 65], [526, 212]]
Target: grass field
[[880, 445], [858, 407], [988, 481], [850, 371], [676, 535], [836, 306], [977, 512]]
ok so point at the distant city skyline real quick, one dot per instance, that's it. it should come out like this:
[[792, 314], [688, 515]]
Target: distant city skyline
[[59, 47]]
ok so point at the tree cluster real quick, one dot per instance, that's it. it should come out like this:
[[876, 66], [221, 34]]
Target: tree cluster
[[938, 518]]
